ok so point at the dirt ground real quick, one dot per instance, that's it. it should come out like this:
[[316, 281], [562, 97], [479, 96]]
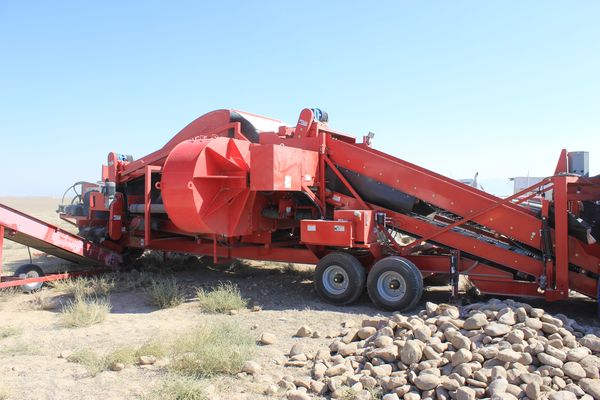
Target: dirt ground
[[32, 363]]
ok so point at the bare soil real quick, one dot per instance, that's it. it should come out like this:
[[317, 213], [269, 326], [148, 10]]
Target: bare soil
[[31, 366]]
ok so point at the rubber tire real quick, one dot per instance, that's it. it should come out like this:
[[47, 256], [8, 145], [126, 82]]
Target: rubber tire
[[412, 277], [26, 269], [356, 276]]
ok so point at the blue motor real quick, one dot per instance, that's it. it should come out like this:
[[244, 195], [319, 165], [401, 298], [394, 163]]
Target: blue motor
[[320, 115]]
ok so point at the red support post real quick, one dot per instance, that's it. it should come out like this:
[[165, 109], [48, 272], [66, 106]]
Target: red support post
[[1, 249], [322, 179], [561, 239], [148, 201]]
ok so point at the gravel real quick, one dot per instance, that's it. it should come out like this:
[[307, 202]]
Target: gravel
[[495, 350]]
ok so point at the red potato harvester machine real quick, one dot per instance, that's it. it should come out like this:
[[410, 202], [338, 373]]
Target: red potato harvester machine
[[237, 185]]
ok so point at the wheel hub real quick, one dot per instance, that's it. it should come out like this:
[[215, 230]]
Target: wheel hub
[[391, 286], [335, 280]]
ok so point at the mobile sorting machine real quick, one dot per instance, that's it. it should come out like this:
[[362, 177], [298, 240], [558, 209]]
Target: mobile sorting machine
[[237, 185]]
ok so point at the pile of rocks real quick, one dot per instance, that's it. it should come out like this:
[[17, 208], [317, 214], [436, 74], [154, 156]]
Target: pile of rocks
[[498, 350]]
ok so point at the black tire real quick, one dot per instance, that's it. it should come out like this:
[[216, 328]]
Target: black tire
[[339, 278], [395, 284], [30, 271]]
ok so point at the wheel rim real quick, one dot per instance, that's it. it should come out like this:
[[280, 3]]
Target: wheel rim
[[335, 280], [30, 287], [391, 286]]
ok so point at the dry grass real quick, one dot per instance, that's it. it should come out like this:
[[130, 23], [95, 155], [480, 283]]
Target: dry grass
[[165, 293], [86, 287], [298, 270], [180, 388], [9, 293], [9, 331], [96, 363], [89, 359], [41, 301], [17, 349], [224, 298], [350, 394], [211, 349], [133, 280], [85, 312]]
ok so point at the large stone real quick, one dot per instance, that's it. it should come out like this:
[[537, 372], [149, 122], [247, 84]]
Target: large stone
[[411, 352], [465, 393], [147, 360], [460, 341], [506, 316], [508, 355], [554, 352], [591, 365], [318, 370], [475, 321], [461, 356], [527, 377], [350, 336], [302, 381], [297, 395], [383, 341], [317, 387], [562, 395], [336, 370], [577, 354], [574, 371], [577, 391], [591, 387], [117, 366], [431, 308], [533, 323], [449, 383], [549, 360], [498, 386], [251, 367], [366, 332], [592, 342], [495, 329], [267, 339], [412, 396], [381, 371], [422, 333], [503, 396], [387, 354], [427, 381], [304, 331], [533, 390], [296, 349], [549, 328]]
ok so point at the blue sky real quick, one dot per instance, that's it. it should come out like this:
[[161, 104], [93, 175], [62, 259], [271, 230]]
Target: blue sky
[[455, 86]]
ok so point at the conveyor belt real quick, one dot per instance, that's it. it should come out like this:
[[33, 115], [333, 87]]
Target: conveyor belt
[[30, 231]]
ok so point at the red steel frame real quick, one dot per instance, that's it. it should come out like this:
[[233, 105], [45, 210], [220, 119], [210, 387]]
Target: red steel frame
[[28, 230], [494, 268]]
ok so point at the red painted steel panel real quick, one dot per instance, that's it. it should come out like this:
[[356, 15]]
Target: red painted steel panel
[[327, 233], [363, 224], [281, 168], [46, 237], [448, 194], [468, 244]]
